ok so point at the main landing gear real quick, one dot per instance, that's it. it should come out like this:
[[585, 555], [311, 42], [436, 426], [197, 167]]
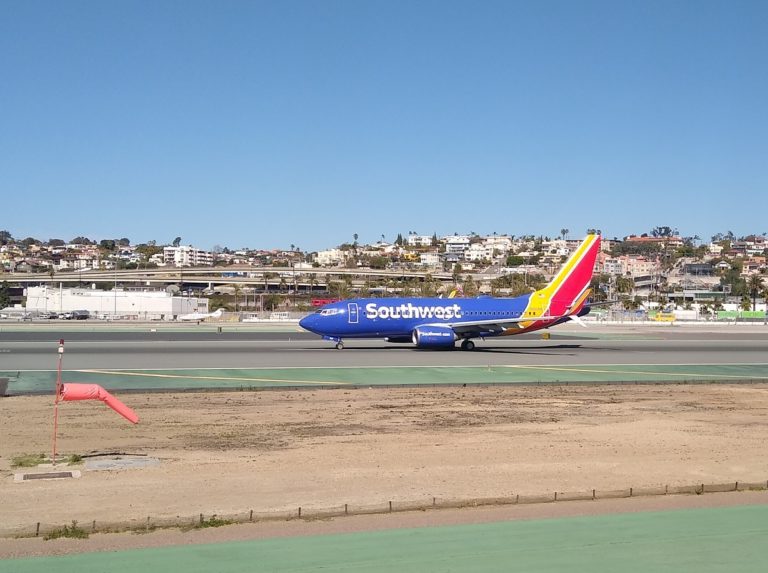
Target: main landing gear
[[339, 345], [467, 344]]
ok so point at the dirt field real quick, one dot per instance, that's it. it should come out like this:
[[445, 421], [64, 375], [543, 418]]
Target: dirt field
[[271, 450]]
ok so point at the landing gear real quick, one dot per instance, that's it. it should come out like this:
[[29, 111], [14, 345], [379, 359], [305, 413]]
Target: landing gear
[[467, 344], [339, 345]]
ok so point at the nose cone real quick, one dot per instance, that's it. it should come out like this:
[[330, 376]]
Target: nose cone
[[309, 322]]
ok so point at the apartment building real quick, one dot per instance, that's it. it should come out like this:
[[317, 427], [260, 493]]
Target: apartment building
[[186, 256]]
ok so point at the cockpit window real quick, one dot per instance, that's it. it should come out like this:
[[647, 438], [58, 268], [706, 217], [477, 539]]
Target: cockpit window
[[329, 311]]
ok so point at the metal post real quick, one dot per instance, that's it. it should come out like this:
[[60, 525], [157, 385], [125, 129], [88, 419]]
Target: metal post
[[56, 402]]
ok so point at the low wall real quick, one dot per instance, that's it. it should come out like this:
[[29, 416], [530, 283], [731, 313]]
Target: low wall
[[200, 520]]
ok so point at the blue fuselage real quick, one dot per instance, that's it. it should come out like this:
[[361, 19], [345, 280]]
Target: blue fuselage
[[398, 317]]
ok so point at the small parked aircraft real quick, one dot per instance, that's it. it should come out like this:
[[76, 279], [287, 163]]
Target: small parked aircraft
[[202, 315]]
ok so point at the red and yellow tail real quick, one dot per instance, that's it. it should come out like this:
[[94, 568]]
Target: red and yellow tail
[[568, 291]]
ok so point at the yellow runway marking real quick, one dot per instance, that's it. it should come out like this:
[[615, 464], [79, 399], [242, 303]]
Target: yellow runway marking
[[239, 378]]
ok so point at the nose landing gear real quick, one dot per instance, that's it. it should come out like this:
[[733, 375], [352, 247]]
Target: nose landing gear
[[336, 339]]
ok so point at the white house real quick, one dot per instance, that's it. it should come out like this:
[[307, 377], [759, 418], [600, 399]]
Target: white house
[[330, 257]]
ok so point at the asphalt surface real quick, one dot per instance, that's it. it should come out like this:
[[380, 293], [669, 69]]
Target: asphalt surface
[[27, 350]]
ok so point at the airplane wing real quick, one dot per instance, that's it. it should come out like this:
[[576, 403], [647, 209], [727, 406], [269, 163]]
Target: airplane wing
[[495, 325]]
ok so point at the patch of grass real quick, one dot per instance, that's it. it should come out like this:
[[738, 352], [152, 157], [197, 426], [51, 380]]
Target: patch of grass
[[28, 460], [72, 531], [213, 521], [74, 459]]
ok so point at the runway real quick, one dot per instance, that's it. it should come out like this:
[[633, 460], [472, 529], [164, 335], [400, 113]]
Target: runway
[[36, 350], [195, 360]]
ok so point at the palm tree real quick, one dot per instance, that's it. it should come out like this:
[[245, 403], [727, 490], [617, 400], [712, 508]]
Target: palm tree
[[755, 285], [564, 232], [237, 291]]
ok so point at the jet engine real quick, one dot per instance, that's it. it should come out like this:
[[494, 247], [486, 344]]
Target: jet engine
[[433, 337]]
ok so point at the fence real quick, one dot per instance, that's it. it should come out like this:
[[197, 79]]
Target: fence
[[201, 520]]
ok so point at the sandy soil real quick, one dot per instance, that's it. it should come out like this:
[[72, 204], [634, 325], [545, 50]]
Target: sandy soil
[[229, 452]]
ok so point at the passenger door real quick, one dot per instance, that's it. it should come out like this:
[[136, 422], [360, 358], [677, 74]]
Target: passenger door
[[352, 314]]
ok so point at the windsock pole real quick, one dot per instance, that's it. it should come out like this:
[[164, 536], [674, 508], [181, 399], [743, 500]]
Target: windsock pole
[[56, 401]]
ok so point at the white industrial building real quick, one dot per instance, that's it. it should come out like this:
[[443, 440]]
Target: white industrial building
[[126, 304]]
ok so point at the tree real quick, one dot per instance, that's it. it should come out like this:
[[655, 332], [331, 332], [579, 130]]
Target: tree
[[5, 294], [625, 285], [469, 286], [146, 251], [5, 238], [663, 232], [428, 286], [237, 291], [177, 241], [755, 286], [29, 241], [271, 302], [56, 243], [378, 262], [629, 303], [82, 241], [564, 233], [338, 289], [456, 273], [733, 278]]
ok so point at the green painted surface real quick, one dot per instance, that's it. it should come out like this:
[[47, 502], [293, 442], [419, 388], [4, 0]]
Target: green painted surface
[[38, 381], [701, 541], [725, 314]]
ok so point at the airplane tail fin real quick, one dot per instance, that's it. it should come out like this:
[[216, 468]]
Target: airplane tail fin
[[218, 313], [568, 291]]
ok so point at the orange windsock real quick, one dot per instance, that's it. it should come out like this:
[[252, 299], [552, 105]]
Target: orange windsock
[[71, 392]]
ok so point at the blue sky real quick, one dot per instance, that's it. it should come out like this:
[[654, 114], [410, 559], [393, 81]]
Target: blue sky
[[266, 124]]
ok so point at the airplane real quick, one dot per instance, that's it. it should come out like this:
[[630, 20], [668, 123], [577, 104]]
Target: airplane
[[202, 315], [439, 323]]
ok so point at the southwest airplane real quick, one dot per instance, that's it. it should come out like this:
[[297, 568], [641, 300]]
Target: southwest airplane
[[440, 322]]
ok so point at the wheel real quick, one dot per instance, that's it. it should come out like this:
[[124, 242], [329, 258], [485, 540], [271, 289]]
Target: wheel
[[339, 345], [467, 345]]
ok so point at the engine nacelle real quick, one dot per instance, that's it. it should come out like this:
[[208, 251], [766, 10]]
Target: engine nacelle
[[433, 337]]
